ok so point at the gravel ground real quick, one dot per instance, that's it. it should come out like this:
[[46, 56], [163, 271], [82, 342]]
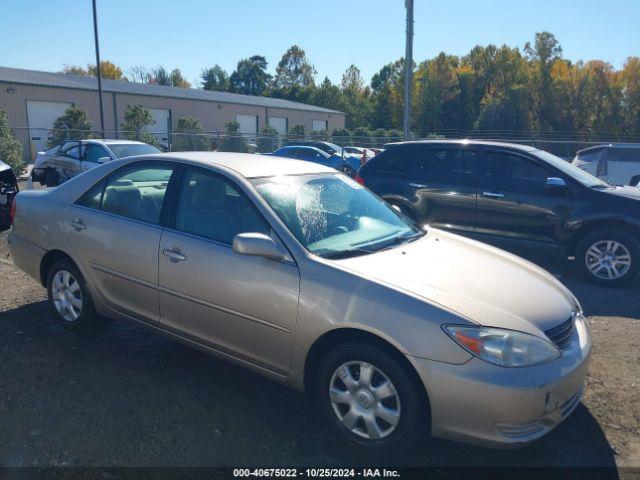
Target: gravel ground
[[131, 397]]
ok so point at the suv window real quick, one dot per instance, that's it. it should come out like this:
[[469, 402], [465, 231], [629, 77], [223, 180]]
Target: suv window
[[94, 152], [211, 206], [446, 164], [507, 168], [135, 192], [393, 160], [624, 155]]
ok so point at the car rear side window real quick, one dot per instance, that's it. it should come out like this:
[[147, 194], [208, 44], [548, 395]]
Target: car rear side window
[[93, 153], [212, 207], [447, 164], [394, 160]]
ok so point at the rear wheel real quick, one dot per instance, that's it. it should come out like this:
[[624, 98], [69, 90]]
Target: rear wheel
[[370, 399], [52, 179], [609, 257], [69, 298]]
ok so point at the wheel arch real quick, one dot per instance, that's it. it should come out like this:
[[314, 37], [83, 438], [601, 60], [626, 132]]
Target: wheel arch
[[601, 224], [338, 336], [49, 259]]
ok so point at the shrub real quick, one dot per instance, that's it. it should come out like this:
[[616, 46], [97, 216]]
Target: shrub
[[233, 141], [72, 125], [10, 147], [188, 136], [268, 139], [137, 120]]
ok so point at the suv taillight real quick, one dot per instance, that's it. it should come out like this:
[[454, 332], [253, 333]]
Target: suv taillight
[[359, 179], [12, 211]]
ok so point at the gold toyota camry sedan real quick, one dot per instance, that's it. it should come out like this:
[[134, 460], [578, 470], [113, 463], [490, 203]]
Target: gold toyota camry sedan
[[299, 273]]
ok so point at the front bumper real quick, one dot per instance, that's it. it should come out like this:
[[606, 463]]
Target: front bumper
[[502, 407]]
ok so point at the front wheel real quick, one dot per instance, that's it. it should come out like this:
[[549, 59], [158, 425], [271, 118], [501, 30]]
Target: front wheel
[[370, 399], [609, 257]]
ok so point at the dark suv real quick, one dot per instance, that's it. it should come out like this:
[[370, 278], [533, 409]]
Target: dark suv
[[515, 197]]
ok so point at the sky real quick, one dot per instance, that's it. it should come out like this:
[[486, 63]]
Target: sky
[[192, 34]]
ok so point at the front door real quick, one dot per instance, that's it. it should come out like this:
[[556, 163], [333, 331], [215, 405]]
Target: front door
[[442, 187], [243, 306], [114, 231], [514, 203]]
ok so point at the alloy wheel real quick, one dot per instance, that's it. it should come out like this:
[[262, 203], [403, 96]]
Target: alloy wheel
[[365, 400], [66, 295], [608, 259]]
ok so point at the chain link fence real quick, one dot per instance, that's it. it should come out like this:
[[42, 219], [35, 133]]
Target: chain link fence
[[563, 144]]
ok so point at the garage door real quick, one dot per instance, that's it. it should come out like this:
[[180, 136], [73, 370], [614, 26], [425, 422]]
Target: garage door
[[248, 125], [40, 118], [319, 125], [161, 128], [279, 123]]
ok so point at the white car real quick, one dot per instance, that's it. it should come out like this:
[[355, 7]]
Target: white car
[[618, 164], [72, 157]]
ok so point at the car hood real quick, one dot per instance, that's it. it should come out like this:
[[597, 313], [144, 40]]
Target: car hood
[[484, 284], [626, 191]]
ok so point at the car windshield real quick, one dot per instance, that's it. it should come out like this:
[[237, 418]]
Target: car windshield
[[130, 149], [579, 175], [334, 216]]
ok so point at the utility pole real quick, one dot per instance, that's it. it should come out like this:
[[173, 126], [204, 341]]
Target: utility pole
[[99, 74], [408, 71]]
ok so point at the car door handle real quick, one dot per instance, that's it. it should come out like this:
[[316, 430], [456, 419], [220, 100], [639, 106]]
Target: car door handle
[[493, 194], [418, 185], [77, 224], [174, 255]]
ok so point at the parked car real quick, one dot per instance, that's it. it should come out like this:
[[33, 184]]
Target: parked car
[[8, 190], [618, 164], [359, 151], [348, 164], [297, 272], [327, 147], [516, 197], [71, 158]]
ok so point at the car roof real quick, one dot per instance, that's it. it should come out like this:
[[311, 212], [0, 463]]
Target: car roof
[[611, 145], [304, 147], [107, 141], [248, 165], [489, 143]]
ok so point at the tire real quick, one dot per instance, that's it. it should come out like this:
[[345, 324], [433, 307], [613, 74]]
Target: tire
[[618, 262], [404, 404], [51, 179], [66, 286]]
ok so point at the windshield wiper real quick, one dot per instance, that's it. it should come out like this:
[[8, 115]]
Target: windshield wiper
[[352, 252], [402, 239]]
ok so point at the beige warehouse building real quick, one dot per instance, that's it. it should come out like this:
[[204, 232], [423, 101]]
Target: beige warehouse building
[[33, 100]]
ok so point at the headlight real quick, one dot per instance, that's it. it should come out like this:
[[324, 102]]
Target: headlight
[[505, 348]]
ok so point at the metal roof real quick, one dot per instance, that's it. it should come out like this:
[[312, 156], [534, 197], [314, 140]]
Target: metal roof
[[63, 80]]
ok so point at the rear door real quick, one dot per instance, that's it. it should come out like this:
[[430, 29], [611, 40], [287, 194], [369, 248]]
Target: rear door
[[114, 231], [514, 203], [441, 188], [243, 306]]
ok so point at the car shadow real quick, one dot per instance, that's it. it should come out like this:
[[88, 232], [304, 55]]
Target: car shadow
[[130, 396]]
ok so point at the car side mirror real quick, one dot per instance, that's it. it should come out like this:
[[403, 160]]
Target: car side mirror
[[103, 159], [259, 245], [556, 183]]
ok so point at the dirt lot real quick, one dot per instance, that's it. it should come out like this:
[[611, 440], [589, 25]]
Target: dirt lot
[[132, 397]]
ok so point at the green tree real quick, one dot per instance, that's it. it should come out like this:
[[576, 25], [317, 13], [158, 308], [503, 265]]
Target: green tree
[[294, 70], [137, 121], [250, 76], [542, 54], [177, 80], [188, 136], [233, 141], [328, 95], [160, 76], [215, 78], [357, 98], [268, 139], [10, 147], [72, 125], [297, 131]]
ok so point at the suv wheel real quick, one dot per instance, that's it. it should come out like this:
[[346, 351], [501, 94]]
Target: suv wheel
[[69, 298], [369, 398], [609, 257]]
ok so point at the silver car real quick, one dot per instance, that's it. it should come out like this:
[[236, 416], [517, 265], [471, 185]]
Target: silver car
[[71, 158], [297, 272]]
